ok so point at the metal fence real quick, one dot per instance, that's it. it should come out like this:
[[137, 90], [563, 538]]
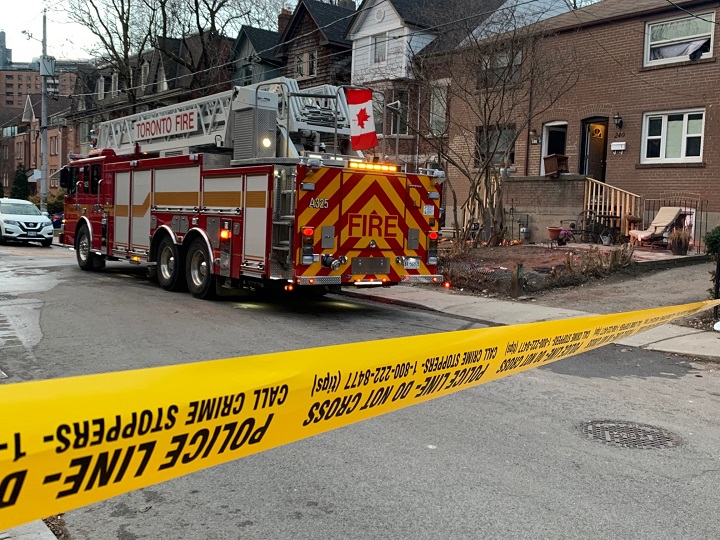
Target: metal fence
[[694, 213]]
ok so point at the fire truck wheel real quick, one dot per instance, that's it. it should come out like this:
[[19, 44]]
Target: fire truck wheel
[[198, 271], [86, 259], [170, 274]]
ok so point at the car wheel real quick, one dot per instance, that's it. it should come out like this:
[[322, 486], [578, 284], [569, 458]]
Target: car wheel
[[46, 243], [170, 274], [82, 250], [198, 271]]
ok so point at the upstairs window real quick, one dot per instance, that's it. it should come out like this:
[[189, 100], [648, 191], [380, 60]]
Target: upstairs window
[[673, 137], [299, 66], [114, 85], [144, 74], [100, 88], [679, 40], [378, 48], [438, 107], [162, 80], [500, 68], [312, 63]]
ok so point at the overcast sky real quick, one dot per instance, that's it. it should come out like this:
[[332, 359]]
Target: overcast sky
[[64, 40]]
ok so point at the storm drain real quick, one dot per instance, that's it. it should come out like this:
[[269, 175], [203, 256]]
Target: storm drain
[[629, 434]]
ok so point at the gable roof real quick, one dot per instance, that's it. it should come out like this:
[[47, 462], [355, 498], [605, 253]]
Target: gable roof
[[263, 41], [332, 23]]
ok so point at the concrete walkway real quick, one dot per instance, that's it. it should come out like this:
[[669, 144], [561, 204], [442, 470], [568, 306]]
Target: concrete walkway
[[670, 338], [36, 530]]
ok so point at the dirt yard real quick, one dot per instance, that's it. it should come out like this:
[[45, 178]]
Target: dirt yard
[[487, 272]]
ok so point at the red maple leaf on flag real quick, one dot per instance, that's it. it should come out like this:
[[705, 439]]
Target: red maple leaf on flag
[[362, 117]]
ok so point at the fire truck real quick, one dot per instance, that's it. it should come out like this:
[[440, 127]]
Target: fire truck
[[253, 187]]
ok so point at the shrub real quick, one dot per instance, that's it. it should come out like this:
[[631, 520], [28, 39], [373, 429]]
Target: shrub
[[712, 241]]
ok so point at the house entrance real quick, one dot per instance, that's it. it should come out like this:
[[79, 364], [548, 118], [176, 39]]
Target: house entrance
[[594, 148]]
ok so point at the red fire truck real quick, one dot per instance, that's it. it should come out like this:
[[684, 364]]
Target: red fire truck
[[254, 187]]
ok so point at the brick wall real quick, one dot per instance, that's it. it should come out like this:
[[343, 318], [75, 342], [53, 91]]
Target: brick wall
[[612, 80]]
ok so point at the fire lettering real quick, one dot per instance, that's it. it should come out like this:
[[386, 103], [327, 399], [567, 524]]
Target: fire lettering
[[360, 225]]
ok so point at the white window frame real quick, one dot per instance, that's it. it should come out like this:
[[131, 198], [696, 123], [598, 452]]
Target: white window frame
[[299, 66], [663, 137], [312, 65], [162, 84], [710, 16], [114, 85], [100, 88], [382, 40]]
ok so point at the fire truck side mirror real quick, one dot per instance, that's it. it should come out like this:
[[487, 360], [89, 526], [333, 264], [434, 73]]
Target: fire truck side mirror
[[65, 178]]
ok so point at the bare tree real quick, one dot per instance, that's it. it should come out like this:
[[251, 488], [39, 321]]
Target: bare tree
[[127, 28], [487, 84]]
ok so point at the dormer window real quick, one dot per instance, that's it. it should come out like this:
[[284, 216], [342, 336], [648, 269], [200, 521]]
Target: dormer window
[[679, 40], [114, 85], [144, 74], [162, 84], [100, 88]]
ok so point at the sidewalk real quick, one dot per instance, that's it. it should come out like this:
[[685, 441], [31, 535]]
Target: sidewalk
[[36, 530], [669, 338]]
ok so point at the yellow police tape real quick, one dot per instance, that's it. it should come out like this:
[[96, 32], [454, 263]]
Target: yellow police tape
[[66, 443]]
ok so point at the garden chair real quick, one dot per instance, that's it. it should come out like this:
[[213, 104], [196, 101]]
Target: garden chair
[[664, 219]]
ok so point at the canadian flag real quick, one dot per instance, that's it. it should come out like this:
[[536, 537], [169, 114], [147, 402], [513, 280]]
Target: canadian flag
[[362, 123]]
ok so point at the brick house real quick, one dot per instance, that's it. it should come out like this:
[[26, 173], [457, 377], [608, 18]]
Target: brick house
[[312, 47], [159, 78], [641, 115]]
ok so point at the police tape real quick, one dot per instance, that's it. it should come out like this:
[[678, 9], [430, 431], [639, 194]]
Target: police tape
[[66, 443]]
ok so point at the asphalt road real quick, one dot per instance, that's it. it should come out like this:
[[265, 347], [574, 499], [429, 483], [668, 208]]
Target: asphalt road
[[503, 460]]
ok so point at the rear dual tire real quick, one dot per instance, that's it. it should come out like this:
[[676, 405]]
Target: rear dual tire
[[170, 266]]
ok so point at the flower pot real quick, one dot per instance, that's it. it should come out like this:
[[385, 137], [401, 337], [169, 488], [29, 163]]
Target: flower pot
[[678, 249], [554, 232]]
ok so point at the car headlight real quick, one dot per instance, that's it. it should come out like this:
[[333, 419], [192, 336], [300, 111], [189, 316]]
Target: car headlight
[[11, 222], [47, 225]]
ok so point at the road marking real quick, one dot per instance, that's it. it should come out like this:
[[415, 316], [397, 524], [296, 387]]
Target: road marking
[[2, 374]]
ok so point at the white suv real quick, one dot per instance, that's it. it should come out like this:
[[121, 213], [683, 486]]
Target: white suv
[[22, 221]]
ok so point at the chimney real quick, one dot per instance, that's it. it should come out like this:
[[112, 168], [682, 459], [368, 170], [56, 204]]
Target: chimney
[[284, 19], [347, 4]]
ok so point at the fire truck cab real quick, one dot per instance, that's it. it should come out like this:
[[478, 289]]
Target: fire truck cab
[[254, 187]]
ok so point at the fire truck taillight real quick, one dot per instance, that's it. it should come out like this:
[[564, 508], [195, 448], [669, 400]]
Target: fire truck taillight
[[432, 247], [308, 245]]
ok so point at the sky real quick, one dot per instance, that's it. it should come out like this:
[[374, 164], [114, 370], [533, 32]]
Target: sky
[[64, 40]]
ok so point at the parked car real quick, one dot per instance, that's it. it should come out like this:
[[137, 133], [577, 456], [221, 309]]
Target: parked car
[[22, 221]]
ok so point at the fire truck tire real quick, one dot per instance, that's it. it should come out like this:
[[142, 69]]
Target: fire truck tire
[[198, 271], [86, 259], [170, 267]]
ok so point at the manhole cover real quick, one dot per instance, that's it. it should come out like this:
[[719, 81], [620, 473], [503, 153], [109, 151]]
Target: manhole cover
[[629, 434]]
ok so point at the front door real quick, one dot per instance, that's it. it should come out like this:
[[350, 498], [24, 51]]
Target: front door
[[554, 141], [594, 148]]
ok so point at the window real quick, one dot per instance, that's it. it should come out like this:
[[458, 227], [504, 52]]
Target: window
[[378, 48], [162, 84], [100, 88], [114, 85], [673, 137], [144, 74], [53, 146], [495, 143], [311, 63], [299, 66], [19, 77], [501, 67], [679, 40], [399, 124], [438, 108]]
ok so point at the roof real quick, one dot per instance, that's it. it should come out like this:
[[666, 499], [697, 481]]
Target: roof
[[263, 41], [332, 22], [611, 10]]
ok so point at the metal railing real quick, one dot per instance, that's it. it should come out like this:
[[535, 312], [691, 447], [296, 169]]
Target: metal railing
[[695, 214]]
